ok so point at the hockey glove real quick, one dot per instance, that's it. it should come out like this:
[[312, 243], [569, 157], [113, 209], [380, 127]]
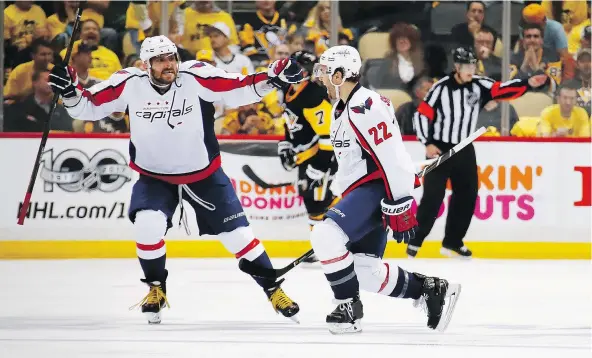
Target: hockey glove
[[287, 155], [63, 80], [281, 73], [397, 216]]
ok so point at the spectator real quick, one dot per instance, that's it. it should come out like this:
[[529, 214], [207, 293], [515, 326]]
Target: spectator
[[273, 101], [249, 119], [60, 24], [143, 19], [585, 38], [219, 34], [200, 15], [406, 111], [405, 60], [534, 58], [488, 63], [491, 118], [94, 10], [582, 79], [553, 35], [104, 61], [31, 114], [23, 22], [569, 13], [19, 84], [134, 61], [318, 28], [574, 37], [206, 56], [262, 30], [565, 119], [116, 122], [464, 33], [82, 61], [295, 42]]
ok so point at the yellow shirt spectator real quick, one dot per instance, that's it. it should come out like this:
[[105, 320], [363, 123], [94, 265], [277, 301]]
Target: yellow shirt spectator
[[20, 83], [554, 124], [574, 37], [574, 12], [22, 25], [249, 119], [526, 127], [194, 37], [104, 62]]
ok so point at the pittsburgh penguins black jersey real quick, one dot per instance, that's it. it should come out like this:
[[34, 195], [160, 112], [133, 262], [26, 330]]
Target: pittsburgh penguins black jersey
[[308, 122]]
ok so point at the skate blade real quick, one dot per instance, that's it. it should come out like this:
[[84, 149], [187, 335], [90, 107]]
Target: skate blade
[[345, 328], [452, 295], [294, 318], [153, 317], [453, 255]]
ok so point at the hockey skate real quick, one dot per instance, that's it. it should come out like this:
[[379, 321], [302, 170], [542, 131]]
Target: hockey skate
[[282, 303], [459, 252], [154, 301], [347, 316], [438, 299]]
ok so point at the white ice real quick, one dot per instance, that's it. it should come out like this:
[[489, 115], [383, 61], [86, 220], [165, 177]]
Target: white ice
[[79, 308]]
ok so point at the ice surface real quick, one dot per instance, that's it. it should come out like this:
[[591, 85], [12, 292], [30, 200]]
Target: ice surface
[[79, 308]]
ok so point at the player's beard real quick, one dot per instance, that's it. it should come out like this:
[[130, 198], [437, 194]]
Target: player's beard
[[160, 81]]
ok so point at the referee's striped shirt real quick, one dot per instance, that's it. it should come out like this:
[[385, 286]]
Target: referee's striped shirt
[[449, 112]]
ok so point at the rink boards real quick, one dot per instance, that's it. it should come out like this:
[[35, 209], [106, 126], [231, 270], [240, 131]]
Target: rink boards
[[534, 201]]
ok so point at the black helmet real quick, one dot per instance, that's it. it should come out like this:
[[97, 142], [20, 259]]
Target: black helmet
[[306, 60], [464, 55]]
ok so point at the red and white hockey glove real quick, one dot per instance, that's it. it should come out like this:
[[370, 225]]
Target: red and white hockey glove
[[281, 73], [397, 216]]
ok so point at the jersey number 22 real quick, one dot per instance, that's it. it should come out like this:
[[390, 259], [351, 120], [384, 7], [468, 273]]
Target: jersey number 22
[[379, 133]]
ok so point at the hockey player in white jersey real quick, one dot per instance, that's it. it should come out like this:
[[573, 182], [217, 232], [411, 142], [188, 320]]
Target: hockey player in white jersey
[[376, 177], [174, 148]]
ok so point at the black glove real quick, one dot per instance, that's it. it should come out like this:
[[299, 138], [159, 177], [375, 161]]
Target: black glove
[[284, 72], [63, 80], [287, 155]]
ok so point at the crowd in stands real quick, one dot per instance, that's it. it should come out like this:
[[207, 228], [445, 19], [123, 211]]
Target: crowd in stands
[[403, 54]]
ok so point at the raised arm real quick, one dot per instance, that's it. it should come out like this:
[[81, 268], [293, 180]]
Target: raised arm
[[94, 103], [236, 89], [509, 90]]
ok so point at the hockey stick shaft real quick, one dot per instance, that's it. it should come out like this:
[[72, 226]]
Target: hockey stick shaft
[[256, 270], [46, 128]]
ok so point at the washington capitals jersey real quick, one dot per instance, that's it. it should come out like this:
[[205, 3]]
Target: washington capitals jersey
[[308, 120], [368, 145], [172, 134]]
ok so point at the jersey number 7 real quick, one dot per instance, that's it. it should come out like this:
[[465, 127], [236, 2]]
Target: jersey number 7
[[380, 133]]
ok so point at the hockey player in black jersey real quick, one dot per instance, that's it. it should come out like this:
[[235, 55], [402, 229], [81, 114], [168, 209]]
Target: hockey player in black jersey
[[307, 145]]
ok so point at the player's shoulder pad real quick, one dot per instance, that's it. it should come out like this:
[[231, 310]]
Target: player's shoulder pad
[[365, 101], [126, 74], [195, 67]]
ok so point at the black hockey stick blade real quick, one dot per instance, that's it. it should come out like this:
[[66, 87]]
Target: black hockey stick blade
[[260, 182], [252, 269]]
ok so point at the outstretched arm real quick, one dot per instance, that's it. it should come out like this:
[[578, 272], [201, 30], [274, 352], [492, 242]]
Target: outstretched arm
[[509, 90]]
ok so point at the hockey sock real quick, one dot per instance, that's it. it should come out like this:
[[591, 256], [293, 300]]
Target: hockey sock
[[408, 285], [154, 269], [344, 283], [263, 260]]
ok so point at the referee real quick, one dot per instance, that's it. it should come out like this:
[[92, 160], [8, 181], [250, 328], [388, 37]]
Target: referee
[[447, 115]]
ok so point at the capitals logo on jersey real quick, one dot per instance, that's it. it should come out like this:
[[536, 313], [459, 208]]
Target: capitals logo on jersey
[[363, 107]]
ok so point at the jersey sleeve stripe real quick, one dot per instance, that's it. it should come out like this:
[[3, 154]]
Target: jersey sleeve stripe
[[510, 92], [105, 95], [223, 84], [426, 110], [368, 148]]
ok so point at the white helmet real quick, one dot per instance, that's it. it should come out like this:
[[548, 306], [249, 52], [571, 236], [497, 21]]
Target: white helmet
[[342, 57], [156, 46]]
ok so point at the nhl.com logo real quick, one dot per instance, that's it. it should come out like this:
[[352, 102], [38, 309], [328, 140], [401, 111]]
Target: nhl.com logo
[[72, 170]]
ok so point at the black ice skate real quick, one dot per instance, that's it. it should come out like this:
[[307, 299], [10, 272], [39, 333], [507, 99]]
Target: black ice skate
[[281, 302], [154, 301], [438, 299], [459, 252], [347, 316]]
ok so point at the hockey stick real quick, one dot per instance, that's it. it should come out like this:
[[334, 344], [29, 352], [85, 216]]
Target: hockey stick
[[250, 173], [56, 97], [259, 271]]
